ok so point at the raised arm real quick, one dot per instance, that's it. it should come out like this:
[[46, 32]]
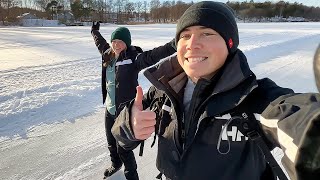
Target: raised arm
[[100, 42], [151, 57]]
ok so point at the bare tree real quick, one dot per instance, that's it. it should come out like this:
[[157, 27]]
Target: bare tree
[[164, 11], [31, 4], [281, 5], [129, 8], [179, 9], [5, 13], [1, 11], [65, 4], [145, 7], [119, 6], [154, 10], [98, 9], [110, 11], [42, 4], [138, 9], [110, 6]]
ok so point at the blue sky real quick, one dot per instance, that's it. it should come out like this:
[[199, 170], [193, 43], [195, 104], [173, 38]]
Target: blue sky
[[305, 2]]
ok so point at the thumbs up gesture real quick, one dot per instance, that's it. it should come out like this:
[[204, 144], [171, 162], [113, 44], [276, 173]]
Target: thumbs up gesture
[[142, 121]]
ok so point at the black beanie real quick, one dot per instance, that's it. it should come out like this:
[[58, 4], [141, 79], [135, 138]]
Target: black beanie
[[215, 15], [123, 34]]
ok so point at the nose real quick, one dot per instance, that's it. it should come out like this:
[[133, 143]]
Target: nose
[[193, 42]]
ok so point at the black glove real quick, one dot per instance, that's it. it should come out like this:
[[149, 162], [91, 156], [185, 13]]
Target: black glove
[[95, 25]]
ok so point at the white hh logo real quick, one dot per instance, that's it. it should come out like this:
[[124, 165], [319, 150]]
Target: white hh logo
[[235, 134]]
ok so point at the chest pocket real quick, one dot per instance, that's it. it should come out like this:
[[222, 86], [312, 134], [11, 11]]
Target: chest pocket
[[222, 133]]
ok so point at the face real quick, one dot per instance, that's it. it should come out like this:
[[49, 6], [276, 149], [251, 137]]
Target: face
[[201, 52], [118, 46]]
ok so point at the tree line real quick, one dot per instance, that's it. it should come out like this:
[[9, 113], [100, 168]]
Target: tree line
[[268, 9], [154, 11]]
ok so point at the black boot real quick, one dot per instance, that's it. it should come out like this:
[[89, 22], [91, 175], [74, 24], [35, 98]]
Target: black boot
[[131, 175], [130, 165], [116, 162], [112, 169]]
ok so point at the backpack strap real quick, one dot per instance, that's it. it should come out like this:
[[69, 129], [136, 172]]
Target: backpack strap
[[154, 140], [159, 176], [141, 148], [251, 128]]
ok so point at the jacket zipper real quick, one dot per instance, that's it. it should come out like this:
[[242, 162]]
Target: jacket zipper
[[183, 132], [200, 120]]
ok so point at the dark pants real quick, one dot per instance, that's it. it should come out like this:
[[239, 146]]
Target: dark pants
[[117, 153]]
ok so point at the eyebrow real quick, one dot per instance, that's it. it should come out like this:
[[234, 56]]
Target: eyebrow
[[201, 27]]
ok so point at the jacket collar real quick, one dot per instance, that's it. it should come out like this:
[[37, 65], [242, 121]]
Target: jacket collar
[[234, 71], [170, 75], [167, 76]]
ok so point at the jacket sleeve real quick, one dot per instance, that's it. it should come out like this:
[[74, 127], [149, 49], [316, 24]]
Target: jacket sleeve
[[294, 121], [100, 42], [151, 57], [122, 130]]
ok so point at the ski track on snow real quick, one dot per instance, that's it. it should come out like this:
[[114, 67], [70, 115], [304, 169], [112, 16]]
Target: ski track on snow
[[28, 93]]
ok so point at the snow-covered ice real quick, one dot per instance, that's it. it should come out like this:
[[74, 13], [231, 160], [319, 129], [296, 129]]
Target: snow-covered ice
[[51, 112]]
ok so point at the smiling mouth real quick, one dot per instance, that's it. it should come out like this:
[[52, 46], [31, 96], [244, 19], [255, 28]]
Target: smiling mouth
[[195, 60]]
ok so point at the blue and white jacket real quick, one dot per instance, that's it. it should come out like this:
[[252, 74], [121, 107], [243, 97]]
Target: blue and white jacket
[[128, 65]]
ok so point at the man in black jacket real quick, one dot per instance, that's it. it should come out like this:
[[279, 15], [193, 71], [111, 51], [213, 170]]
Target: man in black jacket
[[121, 63], [205, 104]]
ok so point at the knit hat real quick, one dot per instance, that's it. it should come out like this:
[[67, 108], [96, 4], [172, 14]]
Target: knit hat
[[123, 34], [215, 15]]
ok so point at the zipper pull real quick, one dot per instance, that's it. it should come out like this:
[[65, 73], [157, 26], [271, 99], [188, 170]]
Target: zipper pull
[[183, 135]]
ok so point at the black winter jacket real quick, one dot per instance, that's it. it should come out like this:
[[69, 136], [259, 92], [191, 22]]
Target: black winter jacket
[[128, 65], [201, 149]]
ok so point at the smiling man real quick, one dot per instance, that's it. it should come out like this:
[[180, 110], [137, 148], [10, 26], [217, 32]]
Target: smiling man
[[202, 51], [204, 105]]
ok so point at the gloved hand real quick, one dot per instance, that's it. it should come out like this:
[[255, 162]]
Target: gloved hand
[[95, 25]]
